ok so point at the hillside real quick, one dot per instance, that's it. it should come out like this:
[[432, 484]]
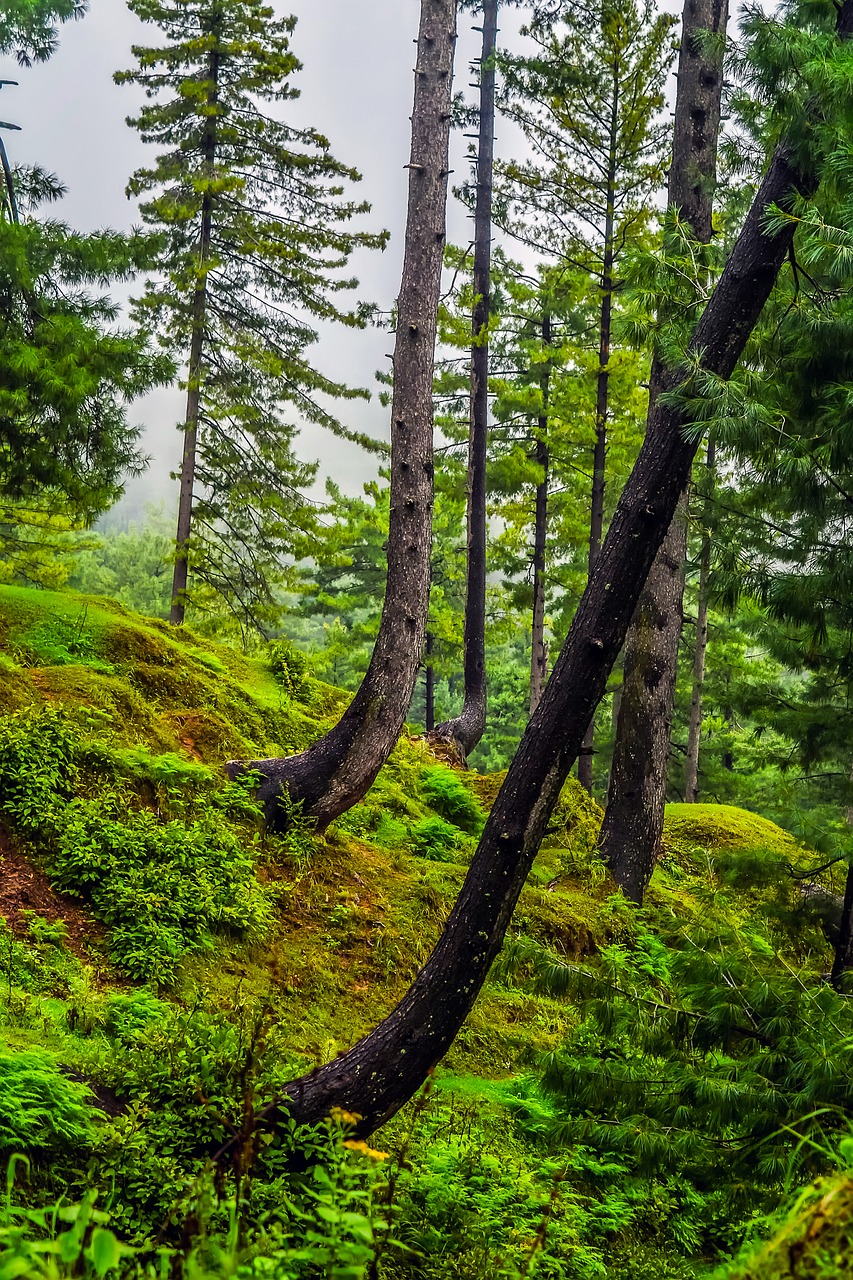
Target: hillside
[[166, 963]]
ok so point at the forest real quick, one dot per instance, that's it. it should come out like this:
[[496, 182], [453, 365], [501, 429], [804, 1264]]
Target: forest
[[448, 875]]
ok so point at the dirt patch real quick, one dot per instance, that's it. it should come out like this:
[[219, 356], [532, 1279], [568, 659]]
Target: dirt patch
[[24, 888]]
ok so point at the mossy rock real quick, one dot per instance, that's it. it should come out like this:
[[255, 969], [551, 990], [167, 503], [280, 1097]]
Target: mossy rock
[[718, 828]]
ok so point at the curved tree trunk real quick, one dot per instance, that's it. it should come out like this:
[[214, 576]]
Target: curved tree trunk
[[694, 730], [633, 821], [180, 574], [335, 772], [466, 730], [380, 1073]]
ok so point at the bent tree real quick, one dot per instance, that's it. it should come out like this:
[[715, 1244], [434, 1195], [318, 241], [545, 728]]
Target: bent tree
[[336, 771], [466, 729], [384, 1069], [633, 820]]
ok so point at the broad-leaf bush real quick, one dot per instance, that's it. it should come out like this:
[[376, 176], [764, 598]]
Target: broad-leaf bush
[[162, 886]]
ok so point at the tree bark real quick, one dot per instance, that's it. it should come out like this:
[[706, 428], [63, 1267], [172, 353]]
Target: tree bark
[[694, 731], [539, 650], [180, 574], [633, 821], [380, 1073], [843, 958], [429, 685], [335, 772], [467, 729], [599, 457]]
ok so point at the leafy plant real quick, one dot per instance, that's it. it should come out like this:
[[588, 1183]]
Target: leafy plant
[[39, 1107], [445, 792], [161, 887], [436, 839], [288, 664], [38, 766]]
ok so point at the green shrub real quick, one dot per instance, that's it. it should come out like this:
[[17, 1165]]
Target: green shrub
[[39, 1107], [445, 792], [162, 888], [37, 766], [437, 840], [288, 664]]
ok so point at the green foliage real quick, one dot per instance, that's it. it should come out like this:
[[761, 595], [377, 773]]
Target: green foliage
[[38, 766], [39, 1107], [68, 375], [162, 888], [289, 665], [446, 793], [436, 839], [28, 28]]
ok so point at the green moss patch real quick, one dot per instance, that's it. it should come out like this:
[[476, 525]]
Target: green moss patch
[[722, 827]]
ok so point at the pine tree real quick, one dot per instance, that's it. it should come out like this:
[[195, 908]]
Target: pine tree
[[589, 102], [466, 729], [28, 28], [255, 240], [67, 375]]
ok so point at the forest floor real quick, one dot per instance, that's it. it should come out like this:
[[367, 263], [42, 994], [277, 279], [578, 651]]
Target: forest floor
[[306, 945]]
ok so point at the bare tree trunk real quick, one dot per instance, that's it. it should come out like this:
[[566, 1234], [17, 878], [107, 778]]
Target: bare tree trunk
[[386, 1068], [694, 731], [335, 773], [599, 457], [467, 729], [539, 649], [429, 681], [633, 821], [180, 573], [843, 958]]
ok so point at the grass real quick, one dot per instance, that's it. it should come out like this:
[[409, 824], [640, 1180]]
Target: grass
[[355, 912]]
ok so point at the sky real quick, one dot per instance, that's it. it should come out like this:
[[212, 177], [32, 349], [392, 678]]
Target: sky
[[356, 87]]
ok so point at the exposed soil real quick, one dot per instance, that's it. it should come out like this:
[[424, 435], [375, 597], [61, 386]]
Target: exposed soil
[[24, 888]]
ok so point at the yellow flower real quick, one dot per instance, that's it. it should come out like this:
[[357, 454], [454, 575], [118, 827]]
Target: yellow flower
[[365, 1150]]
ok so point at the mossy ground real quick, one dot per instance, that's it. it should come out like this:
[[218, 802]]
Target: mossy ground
[[357, 911]]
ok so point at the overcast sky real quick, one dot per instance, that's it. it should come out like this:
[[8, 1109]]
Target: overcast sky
[[356, 87]]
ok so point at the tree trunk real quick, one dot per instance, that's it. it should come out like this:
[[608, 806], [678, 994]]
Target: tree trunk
[[539, 650], [429, 683], [199, 316], [694, 731], [380, 1073], [467, 729], [633, 821], [599, 457], [843, 958], [335, 772]]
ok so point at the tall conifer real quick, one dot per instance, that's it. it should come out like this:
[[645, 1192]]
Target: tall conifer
[[255, 237], [588, 100]]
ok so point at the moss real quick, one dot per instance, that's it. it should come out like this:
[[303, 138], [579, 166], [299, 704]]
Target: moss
[[813, 1240], [715, 827]]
